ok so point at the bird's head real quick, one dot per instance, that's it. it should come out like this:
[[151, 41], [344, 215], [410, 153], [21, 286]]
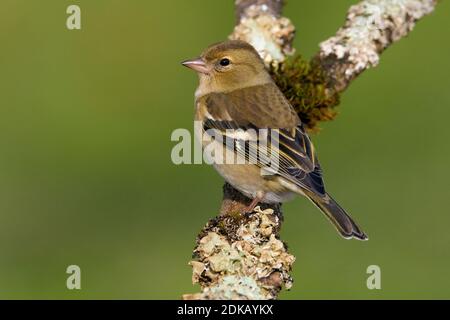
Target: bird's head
[[227, 66]]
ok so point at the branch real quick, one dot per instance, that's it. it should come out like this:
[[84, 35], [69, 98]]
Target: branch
[[240, 256], [371, 26], [260, 23], [273, 7]]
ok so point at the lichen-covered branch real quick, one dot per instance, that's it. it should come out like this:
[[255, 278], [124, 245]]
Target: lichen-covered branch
[[274, 7], [259, 22], [371, 26], [241, 256]]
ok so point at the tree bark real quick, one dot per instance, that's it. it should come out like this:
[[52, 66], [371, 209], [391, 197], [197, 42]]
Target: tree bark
[[371, 26]]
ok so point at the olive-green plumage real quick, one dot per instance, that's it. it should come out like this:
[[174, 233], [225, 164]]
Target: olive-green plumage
[[237, 93]]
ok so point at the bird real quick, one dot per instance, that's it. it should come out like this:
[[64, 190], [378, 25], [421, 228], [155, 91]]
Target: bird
[[236, 97]]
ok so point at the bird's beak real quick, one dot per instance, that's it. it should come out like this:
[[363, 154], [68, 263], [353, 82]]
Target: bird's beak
[[196, 64]]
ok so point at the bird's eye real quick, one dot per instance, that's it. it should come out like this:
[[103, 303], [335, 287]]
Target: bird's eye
[[224, 62]]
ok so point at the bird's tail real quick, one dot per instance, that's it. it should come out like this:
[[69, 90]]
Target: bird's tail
[[340, 219]]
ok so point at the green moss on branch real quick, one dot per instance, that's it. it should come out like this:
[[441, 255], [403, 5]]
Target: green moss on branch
[[305, 85]]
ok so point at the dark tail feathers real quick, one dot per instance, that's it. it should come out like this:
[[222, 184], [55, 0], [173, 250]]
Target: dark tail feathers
[[340, 219]]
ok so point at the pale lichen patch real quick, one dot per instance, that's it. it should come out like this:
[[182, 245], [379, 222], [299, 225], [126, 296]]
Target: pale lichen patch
[[271, 36]]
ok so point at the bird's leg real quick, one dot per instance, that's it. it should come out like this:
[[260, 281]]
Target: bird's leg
[[252, 205], [254, 202]]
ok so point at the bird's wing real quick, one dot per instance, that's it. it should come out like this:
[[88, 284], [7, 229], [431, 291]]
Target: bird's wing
[[248, 110]]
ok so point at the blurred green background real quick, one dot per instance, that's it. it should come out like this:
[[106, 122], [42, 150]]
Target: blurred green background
[[86, 176]]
